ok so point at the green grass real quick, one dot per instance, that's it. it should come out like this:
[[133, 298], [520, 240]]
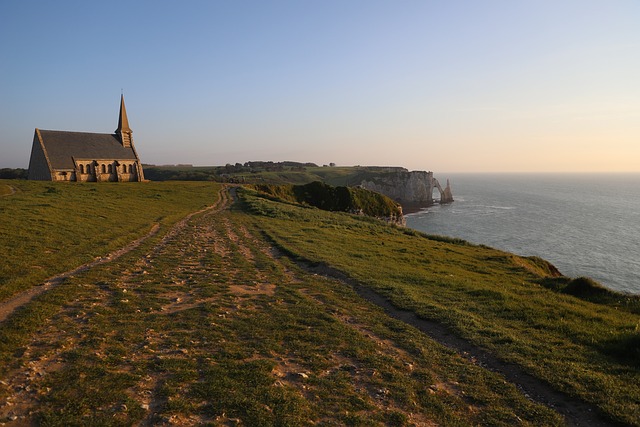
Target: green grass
[[336, 176], [278, 173], [212, 327], [578, 338], [329, 198], [160, 336], [49, 227]]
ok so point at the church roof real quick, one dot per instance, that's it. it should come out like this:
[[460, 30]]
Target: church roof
[[61, 146]]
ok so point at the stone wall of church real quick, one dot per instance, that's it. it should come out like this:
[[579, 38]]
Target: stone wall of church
[[106, 171], [64, 176]]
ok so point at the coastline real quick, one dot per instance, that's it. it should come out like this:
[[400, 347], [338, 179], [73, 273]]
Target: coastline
[[581, 223]]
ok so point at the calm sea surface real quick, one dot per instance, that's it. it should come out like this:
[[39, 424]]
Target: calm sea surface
[[586, 225]]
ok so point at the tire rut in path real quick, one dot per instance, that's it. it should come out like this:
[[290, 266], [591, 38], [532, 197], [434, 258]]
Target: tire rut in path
[[9, 306], [576, 412], [12, 191]]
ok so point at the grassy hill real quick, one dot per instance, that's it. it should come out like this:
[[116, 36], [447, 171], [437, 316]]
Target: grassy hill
[[229, 319], [514, 306], [336, 199], [268, 173]]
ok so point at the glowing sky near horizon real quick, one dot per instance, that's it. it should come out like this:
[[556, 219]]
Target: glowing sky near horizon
[[450, 86]]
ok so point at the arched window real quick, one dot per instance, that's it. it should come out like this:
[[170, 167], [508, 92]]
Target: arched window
[[82, 169], [130, 168], [124, 168], [110, 169], [104, 169]]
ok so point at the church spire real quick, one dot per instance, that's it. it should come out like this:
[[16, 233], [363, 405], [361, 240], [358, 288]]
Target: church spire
[[124, 131]]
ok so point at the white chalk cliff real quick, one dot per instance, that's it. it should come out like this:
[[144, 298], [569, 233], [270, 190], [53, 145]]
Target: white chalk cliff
[[409, 188]]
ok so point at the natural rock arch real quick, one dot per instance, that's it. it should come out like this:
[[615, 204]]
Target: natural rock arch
[[445, 194]]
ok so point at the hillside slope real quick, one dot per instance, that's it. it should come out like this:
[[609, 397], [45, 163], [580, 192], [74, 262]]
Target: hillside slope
[[564, 331], [224, 320], [337, 199]]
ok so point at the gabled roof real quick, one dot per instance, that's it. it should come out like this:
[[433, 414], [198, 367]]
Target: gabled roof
[[61, 146]]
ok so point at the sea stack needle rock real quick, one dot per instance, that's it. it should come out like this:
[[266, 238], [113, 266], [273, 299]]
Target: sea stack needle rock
[[411, 189]]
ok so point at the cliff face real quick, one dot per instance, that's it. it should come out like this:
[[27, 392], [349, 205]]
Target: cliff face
[[409, 188]]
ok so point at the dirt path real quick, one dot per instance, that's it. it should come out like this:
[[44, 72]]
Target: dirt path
[[9, 306], [12, 191], [575, 411], [215, 269]]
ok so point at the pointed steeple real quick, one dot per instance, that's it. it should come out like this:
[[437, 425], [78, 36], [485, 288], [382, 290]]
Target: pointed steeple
[[124, 131]]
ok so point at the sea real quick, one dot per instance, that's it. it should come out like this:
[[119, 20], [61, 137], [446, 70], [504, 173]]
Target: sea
[[584, 224]]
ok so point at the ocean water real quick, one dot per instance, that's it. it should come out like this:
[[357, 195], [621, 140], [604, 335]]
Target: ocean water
[[585, 225]]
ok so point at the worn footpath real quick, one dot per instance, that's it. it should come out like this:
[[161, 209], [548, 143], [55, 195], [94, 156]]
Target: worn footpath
[[211, 325]]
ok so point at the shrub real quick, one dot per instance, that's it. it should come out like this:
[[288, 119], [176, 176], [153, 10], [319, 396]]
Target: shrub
[[337, 199], [8, 173], [586, 288], [625, 347]]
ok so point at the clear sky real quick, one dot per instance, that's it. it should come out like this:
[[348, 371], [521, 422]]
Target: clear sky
[[448, 86]]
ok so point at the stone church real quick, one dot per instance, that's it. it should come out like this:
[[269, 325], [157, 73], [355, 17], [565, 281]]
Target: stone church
[[82, 156]]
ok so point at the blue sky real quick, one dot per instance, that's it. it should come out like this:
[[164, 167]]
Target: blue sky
[[451, 86]]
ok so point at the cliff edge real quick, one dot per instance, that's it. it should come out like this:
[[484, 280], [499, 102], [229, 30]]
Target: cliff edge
[[410, 189]]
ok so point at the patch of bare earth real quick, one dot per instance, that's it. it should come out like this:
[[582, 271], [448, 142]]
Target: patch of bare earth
[[257, 289], [43, 355], [364, 378]]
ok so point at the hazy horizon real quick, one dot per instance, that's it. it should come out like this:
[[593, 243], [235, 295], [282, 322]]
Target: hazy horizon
[[459, 86]]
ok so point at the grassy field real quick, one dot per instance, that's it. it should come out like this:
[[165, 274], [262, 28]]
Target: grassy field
[[497, 300], [48, 228], [272, 174], [336, 176], [215, 326]]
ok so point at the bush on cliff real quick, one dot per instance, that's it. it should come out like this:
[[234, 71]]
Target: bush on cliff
[[586, 288], [625, 347], [336, 199]]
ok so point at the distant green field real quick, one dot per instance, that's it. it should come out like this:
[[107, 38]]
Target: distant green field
[[48, 228], [274, 173], [505, 303]]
